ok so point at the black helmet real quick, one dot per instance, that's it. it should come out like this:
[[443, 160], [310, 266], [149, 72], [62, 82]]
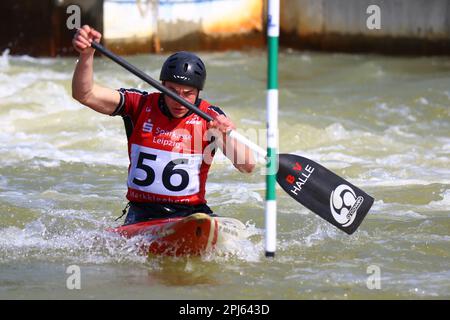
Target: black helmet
[[184, 68]]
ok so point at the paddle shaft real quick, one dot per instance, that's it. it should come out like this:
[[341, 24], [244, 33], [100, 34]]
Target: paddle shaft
[[157, 85]]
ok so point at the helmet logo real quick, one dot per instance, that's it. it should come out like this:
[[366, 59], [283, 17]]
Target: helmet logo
[[184, 78]]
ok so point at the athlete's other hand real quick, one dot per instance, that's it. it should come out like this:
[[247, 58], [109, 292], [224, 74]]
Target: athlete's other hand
[[83, 38], [222, 123]]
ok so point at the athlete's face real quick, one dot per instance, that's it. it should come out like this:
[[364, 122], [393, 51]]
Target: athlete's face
[[186, 92]]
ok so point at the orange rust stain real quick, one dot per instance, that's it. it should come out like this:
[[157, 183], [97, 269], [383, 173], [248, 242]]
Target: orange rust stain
[[247, 19]]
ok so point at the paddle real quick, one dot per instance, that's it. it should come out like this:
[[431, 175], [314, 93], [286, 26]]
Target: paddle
[[317, 188]]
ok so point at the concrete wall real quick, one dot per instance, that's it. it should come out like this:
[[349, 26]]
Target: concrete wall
[[130, 26], [189, 25], [407, 26], [219, 24]]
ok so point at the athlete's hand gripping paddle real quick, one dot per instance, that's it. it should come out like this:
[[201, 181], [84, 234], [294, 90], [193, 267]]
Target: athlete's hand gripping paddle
[[317, 188]]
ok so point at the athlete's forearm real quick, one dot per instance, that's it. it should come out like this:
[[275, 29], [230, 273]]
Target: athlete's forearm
[[98, 98], [83, 78], [238, 153]]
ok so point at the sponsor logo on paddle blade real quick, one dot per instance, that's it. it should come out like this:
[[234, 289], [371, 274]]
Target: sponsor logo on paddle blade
[[344, 205]]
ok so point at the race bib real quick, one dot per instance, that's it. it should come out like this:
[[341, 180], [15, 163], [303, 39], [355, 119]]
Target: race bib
[[163, 172]]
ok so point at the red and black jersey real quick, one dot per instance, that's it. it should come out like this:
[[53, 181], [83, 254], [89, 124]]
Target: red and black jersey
[[169, 157]]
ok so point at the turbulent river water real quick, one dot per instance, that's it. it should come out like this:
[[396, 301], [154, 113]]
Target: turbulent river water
[[383, 123]]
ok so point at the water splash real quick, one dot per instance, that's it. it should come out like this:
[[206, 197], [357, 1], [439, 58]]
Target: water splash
[[4, 60]]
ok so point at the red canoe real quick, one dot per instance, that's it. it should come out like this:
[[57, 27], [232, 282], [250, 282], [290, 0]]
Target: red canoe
[[193, 235]]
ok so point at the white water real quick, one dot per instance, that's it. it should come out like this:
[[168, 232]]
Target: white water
[[382, 123]]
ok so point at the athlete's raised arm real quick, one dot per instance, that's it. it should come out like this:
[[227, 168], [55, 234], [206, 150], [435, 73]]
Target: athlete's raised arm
[[98, 98]]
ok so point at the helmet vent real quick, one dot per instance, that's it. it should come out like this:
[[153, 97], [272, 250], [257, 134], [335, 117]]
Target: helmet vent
[[200, 66], [185, 67]]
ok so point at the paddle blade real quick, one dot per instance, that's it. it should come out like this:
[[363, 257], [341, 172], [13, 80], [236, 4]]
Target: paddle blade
[[323, 192]]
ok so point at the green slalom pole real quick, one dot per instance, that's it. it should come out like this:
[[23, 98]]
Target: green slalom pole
[[273, 30]]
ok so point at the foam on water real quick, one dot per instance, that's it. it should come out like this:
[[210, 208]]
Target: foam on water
[[51, 239], [3, 182], [442, 204], [237, 193], [401, 160], [380, 123], [80, 236], [247, 248], [4, 60]]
